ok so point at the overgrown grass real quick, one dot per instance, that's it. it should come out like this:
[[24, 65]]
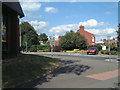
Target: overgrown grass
[[25, 68]]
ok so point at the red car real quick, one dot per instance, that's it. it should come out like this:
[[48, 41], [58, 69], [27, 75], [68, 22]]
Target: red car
[[92, 50]]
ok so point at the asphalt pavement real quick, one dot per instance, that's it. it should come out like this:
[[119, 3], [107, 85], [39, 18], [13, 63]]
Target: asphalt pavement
[[75, 70]]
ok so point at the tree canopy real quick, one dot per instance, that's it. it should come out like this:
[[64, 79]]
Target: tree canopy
[[43, 37], [28, 35], [72, 40], [118, 37]]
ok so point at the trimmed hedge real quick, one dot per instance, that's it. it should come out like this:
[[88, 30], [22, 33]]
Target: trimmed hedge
[[112, 47], [113, 52], [41, 48], [104, 52], [107, 52]]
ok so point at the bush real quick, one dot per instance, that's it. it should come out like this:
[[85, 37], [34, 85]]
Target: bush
[[33, 48], [57, 49], [107, 52], [113, 52], [112, 47], [41, 48], [98, 46], [45, 50], [73, 51]]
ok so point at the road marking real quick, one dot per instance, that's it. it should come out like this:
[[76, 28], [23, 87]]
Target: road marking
[[104, 75]]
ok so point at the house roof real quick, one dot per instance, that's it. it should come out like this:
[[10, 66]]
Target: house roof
[[113, 41], [15, 6], [86, 32], [89, 33]]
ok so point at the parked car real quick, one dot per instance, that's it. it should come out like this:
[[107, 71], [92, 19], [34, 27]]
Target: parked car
[[92, 50]]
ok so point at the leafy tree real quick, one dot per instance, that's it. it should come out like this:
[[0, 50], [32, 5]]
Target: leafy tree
[[43, 37], [118, 38], [47, 42], [28, 35], [72, 40]]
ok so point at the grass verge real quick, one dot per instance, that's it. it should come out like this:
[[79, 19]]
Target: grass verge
[[25, 68]]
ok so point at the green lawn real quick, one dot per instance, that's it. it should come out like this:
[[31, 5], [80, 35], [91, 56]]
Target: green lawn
[[25, 68]]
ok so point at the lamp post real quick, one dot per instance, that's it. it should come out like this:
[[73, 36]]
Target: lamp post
[[52, 38], [26, 45], [108, 38]]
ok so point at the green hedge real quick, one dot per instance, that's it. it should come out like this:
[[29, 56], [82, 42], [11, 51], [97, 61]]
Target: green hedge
[[107, 52], [112, 47], [98, 46], [113, 52], [41, 48]]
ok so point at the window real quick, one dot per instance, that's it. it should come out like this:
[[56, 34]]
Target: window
[[4, 47], [93, 39]]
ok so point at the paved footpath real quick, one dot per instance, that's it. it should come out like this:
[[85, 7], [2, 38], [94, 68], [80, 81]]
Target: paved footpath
[[80, 72]]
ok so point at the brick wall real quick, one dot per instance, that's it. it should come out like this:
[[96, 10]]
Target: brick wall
[[89, 36]]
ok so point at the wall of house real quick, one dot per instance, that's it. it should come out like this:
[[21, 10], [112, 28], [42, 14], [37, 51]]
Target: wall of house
[[0, 29], [12, 32], [87, 35]]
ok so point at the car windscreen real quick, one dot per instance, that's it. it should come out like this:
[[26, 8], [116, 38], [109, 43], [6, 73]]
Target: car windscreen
[[92, 48]]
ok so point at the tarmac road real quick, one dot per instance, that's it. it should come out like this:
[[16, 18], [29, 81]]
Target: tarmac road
[[80, 71]]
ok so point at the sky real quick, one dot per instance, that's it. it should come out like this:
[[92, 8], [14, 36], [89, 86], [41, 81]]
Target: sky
[[57, 18]]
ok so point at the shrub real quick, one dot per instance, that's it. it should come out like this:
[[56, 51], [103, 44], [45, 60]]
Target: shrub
[[33, 48], [112, 47], [73, 51], [41, 48], [113, 52], [57, 49], [107, 52]]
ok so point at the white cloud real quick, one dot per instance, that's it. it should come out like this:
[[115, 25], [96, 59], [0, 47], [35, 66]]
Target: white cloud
[[31, 15], [92, 23], [105, 31], [72, 0], [40, 26], [62, 29], [51, 9], [30, 6]]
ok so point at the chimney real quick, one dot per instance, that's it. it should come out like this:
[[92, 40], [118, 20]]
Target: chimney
[[81, 28], [59, 37]]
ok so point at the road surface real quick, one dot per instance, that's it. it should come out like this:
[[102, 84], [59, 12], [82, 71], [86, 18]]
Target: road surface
[[79, 71]]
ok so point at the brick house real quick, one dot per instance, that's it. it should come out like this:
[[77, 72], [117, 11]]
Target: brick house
[[56, 46], [57, 41], [113, 42], [89, 36]]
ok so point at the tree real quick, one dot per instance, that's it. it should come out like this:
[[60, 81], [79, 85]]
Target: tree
[[28, 35], [43, 37], [118, 38], [72, 40]]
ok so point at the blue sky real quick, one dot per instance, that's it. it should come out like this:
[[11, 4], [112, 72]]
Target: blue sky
[[99, 18]]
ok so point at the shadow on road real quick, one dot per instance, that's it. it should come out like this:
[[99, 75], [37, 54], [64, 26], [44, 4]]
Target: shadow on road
[[66, 67]]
